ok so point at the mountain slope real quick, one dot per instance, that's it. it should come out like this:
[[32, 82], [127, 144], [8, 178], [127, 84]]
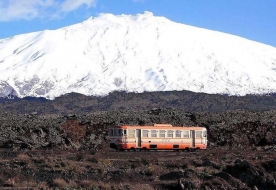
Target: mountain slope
[[134, 53]]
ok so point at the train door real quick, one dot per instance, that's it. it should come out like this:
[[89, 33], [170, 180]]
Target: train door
[[124, 136], [192, 132], [138, 138], [204, 136]]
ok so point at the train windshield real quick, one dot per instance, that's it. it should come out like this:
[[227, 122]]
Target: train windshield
[[204, 133], [120, 132]]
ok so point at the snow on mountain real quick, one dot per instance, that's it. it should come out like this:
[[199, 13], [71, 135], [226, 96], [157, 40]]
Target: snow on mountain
[[134, 53]]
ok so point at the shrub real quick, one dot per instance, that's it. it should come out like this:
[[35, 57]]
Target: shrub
[[73, 130], [93, 160], [60, 183], [23, 156]]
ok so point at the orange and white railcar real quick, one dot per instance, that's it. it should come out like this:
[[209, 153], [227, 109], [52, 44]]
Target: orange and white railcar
[[157, 137]]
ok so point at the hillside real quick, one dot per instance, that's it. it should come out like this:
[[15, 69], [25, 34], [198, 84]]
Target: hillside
[[178, 100]]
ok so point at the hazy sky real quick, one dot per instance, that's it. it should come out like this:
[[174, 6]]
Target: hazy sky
[[251, 19]]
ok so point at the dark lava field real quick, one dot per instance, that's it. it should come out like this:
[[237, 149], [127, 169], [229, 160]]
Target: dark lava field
[[63, 144]]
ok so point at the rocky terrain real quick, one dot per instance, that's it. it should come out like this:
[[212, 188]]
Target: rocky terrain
[[45, 151], [75, 103]]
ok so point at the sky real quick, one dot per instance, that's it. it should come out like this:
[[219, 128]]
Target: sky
[[251, 19]]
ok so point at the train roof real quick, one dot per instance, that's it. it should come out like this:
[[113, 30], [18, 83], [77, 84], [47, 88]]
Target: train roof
[[159, 126]]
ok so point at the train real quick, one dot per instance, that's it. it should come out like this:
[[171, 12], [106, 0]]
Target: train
[[157, 137]]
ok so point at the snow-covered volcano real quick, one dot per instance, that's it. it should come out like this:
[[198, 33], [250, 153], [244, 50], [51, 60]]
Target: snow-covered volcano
[[134, 53]]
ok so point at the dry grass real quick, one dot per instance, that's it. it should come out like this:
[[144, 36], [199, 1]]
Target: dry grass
[[105, 162], [42, 185], [60, 183], [75, 166], [92, 159], [88, 184], [115, 171], [10, 182], [23, 156]]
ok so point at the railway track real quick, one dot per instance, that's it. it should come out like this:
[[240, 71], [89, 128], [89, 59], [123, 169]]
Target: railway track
[[165, 155]]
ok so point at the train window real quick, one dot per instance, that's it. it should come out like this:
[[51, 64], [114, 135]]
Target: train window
[[178, 134], [145, 133], [198, 134], [185, 134], [131, 132], [162, 133], [153, 133], [170, 133], [111, 133], [120, 132]]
